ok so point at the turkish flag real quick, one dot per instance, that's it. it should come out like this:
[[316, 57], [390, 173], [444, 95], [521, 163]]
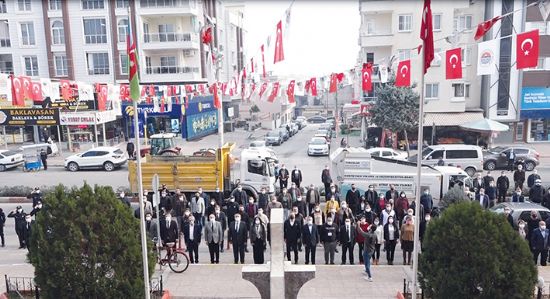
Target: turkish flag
[[37, 92], [101, 90], [366, 76], [427, 35], [162, 105], [333, 83], [313, 86], [274, 92], [217, 100], [307, 86], [263, 88], [143, 91], [202, 89], [27, 87], [188, 88], [124, 92], [151, 90], [527, 49], [66, 93], [252, 88], [453, 64], [279, 53], [206, 36], [483, 27], [290, 92], [224, 88], [340, 77], [18, 94], [263, 61], [403, 75]]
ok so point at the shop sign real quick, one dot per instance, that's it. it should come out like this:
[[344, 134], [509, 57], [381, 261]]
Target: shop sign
[[87, 118], [29, 117], [199, 125], [535, 98]]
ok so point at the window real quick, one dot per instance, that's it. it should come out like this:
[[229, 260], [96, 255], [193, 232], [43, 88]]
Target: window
[[93, 4], [31, 66], [461, 90], [122, 30], [466, 55], [5, 41], [98, 63], [437, 57], [436, 18], [387, 154], [370, 27], [463, 23], [123, 64], [436, 155], [61, 66], [3, 6], [432, 91], [257, 167], [55, 5], [6, 63], [462, 154], [166, 32], [58, 33], [95, 31], [121, 3], [370, 57], [404, 54], [168, 65], [405, 23], [24, 5], [89, 154], [27, 34]]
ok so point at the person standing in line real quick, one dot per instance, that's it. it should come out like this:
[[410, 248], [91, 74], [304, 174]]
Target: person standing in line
[[483, 199], [379, 232], [192, 233], [407, 240], [27, 230], [502, 186], [329, 236], [286, 200], [238, 235], [539, 243], [487, 179], [532, 178], [213, 236], [263, 199], [511, 160], [401, 205], [391, 237], [536, 193], [240, 195], [371, 196], [258, 239], [292, 232], [44, 159], [294, 192], [273, 204], [368, 245], [519, 177], [491, 192], [518, 196], [310, 238], [19, 216], [347, 240], [427, 201], [220, 217], [312, 198], [353, 198], [283, 177], [326, 179], [169, 230], [296, 176], [2, 223]]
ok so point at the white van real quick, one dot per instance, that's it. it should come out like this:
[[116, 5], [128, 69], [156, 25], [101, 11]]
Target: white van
[[467, 157]]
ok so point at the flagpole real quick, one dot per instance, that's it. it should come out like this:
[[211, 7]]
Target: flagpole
[[220, 109], [142, 227]]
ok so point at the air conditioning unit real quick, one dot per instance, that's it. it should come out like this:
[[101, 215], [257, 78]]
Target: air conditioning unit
[[189, 53]]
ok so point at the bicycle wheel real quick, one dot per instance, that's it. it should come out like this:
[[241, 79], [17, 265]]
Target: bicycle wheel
[[178, 262]]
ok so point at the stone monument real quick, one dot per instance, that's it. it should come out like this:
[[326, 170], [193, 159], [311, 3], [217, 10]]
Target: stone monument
[[278, 278]]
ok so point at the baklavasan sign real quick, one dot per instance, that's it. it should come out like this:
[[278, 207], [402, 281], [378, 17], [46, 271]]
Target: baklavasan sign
[[29, 117]]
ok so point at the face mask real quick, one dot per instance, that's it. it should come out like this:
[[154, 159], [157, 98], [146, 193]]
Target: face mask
[[518, 192], [200, 191], [410, 213], [217, 211], [28, 220], [403, 195], [543, 227], [317, 209], [250, 201], [213, 203], [538, 184], [390, 220], [522, 226], [506, 212], [38, 191], [212, 219], [186, 213], [332, 189], [371, 189], [426, 192], [260, 212], [217, 190], [168, 219], [368, 209], [122, 195], [284, 191], [19, 210], [344, 206], [329, 222], [309, 222], [257, 222], [232, 200], [376, 222], [148, 218], [263, 191], [240, 188], [428, 219], [163, 194], [388, 209], [39, 206], [237, 219], [299, 199], [181, 198]]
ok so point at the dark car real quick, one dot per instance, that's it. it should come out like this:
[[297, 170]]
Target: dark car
[[317, 119], [497, 157], [522, 210], [274, 137]]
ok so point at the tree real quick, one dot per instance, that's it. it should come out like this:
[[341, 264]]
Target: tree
[[472, 253], [85, 243], [453, 195], [396, 108]]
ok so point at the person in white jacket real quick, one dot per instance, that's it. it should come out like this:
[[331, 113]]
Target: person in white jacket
[[387, 212], [379, 232], [198, 207]]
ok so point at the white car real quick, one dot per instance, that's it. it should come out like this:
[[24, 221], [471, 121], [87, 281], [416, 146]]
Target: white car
[[261, 144], [10, 159], [386, 152], [107, 158], [318, 146]]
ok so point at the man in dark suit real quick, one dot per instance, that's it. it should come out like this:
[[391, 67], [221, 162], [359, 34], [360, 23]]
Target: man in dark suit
[[539, 243], [310, 238], [347, 240], [283, 177], [483, 199], [240, 195], [353, 198], [192, 233], [296, 176], [238, 233], [326, 179], [27, 229], [168, 230], [503, 183], [213, 236], [312, 198], [258, 239], [291, 236]]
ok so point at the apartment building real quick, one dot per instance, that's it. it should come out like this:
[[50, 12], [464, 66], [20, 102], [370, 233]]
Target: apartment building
[[389, 33], [85, 40]]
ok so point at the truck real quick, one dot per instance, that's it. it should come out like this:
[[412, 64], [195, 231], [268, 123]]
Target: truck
[[356, 166], [255, 169]]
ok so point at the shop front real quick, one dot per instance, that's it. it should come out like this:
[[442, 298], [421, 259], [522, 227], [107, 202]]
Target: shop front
[[534, 125], [18, 123], [86, 127]]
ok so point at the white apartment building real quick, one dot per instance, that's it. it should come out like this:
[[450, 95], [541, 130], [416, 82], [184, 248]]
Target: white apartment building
[[390, 31], [85, 40]]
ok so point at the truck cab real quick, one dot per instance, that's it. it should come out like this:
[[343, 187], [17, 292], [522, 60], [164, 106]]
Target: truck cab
[[257, 170]]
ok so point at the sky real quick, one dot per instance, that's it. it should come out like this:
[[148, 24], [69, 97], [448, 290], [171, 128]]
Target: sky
[[322, 37]]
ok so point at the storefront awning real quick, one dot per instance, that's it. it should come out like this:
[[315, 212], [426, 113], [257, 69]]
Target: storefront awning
[[444, 119]]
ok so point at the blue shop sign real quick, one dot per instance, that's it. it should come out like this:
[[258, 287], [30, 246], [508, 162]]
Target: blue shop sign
[[128, 111], [535, 102], [199, 105], [202, 124]]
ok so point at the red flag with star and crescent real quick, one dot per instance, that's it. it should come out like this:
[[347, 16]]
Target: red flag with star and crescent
[[18, 94], [453, 64], [290, 92], [366, 75], [403, 75], [483, 27], [262, 90], [527, 49], [333, 83], [37, 92], [313, 86], [427, 35], [279, 53], [274, 92]]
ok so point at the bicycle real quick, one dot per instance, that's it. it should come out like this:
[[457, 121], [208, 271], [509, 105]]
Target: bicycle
[[176, 258]]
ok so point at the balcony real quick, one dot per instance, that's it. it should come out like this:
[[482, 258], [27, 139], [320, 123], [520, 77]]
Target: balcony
[[168, 7], [171, 74], [5, 42], [377, 39], [170, 41]]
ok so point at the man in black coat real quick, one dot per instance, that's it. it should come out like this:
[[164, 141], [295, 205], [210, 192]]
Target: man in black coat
[[292, 234], [192, 233], [130, 149], [503, 184], [353, 198], [539, 243], [536, 193], [347, 240], [310, 239], [328, 236], [168, 229], [238, 236], [27, 230], [283, 177], [326, 179], [532, 178], [296, 176], [371, 197], [519, 177], [312, 198], [240, 195], [263, 199], [19, 216], [2, 223]]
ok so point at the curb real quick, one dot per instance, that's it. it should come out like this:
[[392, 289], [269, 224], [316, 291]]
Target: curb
[[18, 199]]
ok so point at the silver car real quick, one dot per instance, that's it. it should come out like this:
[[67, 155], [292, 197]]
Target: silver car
[[522, 210], [497, 157]]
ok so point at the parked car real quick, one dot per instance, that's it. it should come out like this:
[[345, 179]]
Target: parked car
[[257, 143], [468, 157], [284, 134], [108, 158], [330, 123], [317, 119], [497, 157], [521, 210], [328, 133], [294, 128], [10, 159], [273, 138], [301, 121], [323, 135], [318, 146], [386, 152]]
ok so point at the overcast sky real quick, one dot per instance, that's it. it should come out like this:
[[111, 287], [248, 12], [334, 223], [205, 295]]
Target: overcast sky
[[322, 37]]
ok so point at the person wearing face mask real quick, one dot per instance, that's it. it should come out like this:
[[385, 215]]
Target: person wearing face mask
[[491, 192], [369, 214], [386, 213], [36, 196], [258, 239], [251, 210], [232, 209], [273, 204], [401, 206], [359, 239], [371, 196], [296, 176], [240, 195], [312, 198], [391, 237], [483, 199], [150, 226], [220, 217], [379, 232], [27, 229], [283, 177], [178, 208], [333, 192], [211, 206], [353, 198], [345, 213], [532, 224], [238, 236], [213, 236], [169, 230], [124, 199], [508, 215], [361, 206], [203, 194], [263, 199], [347, 240], [19, 216], [539, 243], [2, 223], [427, 201], [294, 192], [318, 217], [407, 239], [522, 230], [536, 193], [310, 238], [392, 193], [300, 205], [165, 201], [503, 183], [518, 196], [192, 233], [185, 218], [329, 236], [478, 183], [292, 232], [332, 204], [422, 229], [263, 217], [286, 200], [217, 196], [326, 179], [198, 207], [531, 179], [519, 177]]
